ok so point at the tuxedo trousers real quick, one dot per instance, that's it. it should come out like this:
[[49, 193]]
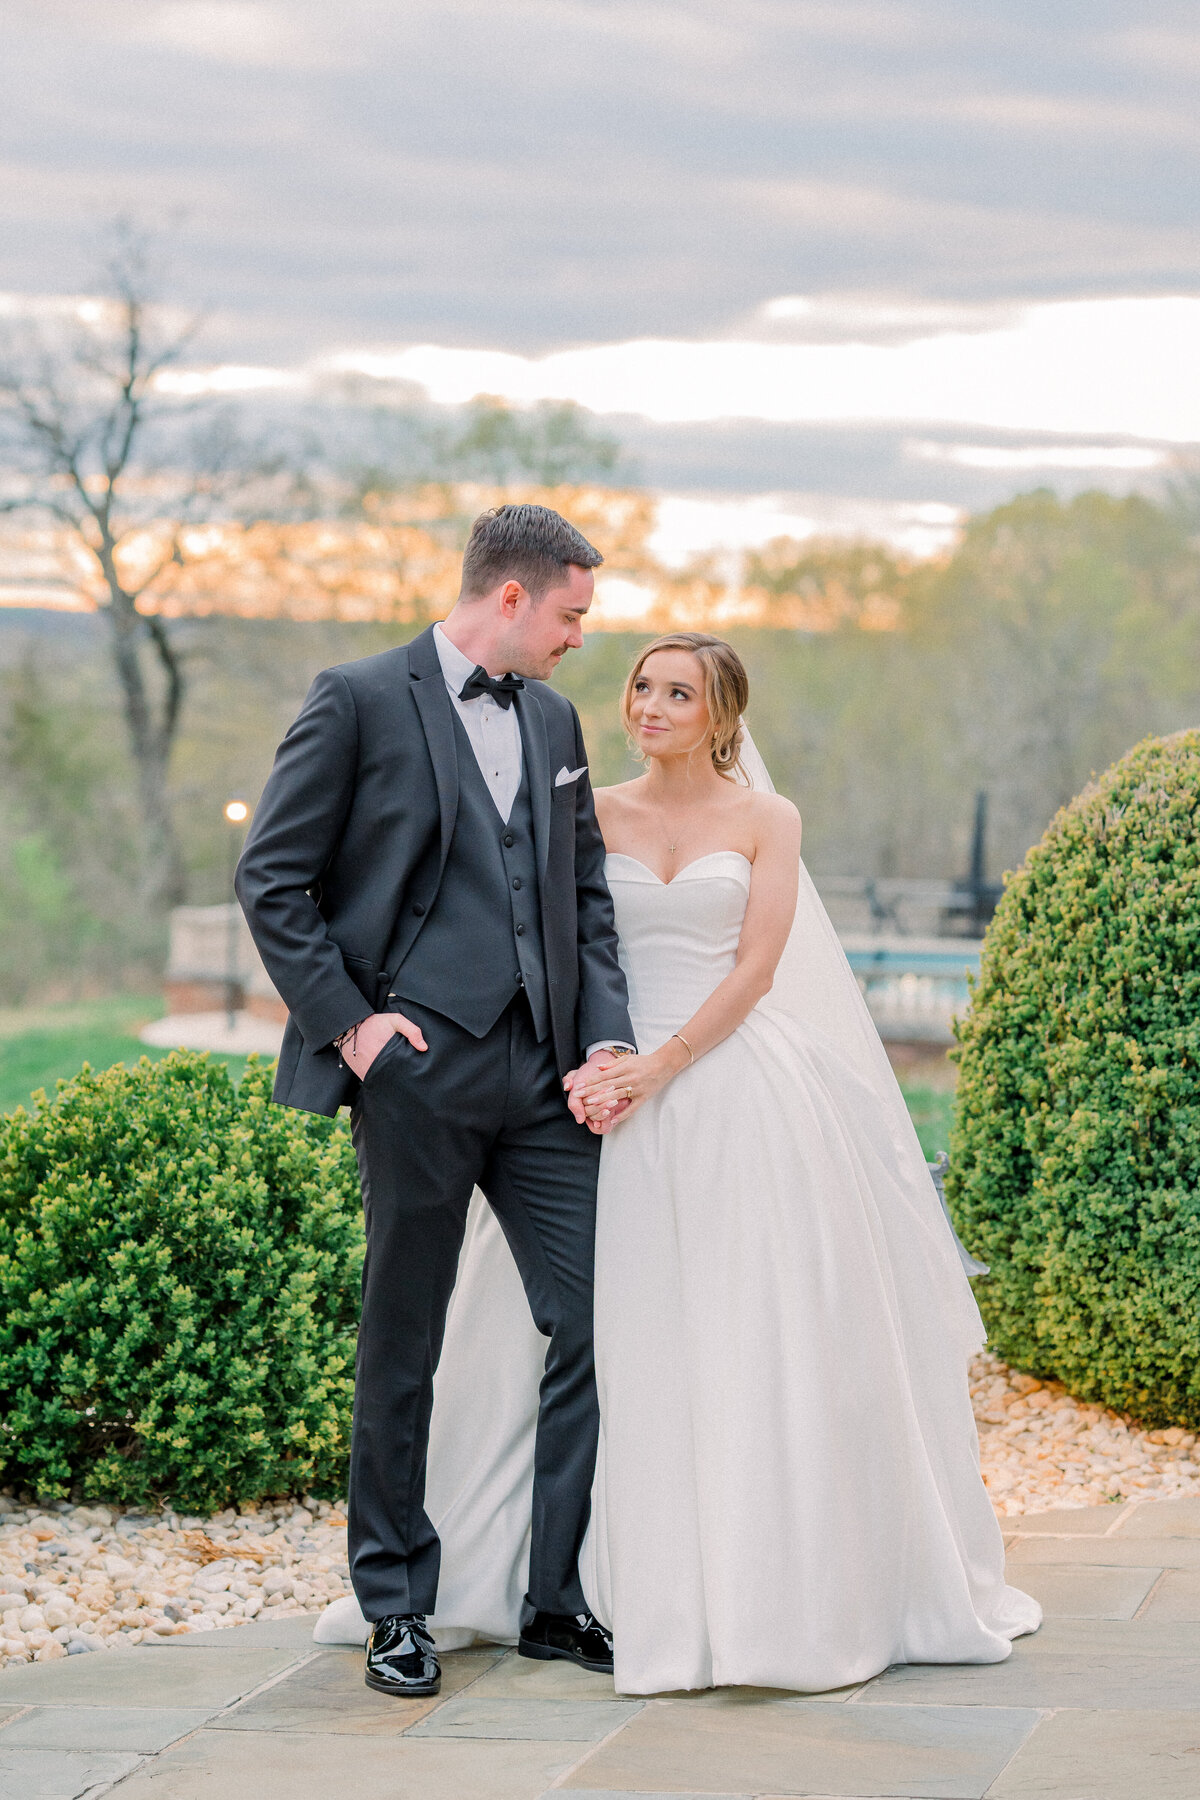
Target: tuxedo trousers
[[428, 1127]]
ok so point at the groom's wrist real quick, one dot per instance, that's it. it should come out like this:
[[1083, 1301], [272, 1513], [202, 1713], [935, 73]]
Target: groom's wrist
[[611, 1047]]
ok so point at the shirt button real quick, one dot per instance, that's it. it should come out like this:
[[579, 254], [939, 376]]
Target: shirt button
[[520, 931], [516, 881]]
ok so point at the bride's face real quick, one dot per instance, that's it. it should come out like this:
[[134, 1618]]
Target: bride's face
[[667, 708]]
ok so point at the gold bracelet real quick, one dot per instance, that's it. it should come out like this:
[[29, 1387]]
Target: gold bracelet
[[686, 1045]]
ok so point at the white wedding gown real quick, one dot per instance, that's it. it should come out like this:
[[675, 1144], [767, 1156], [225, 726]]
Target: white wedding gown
[[788, 1490]]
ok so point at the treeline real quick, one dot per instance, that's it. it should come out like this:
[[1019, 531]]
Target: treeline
[[1055, 636]]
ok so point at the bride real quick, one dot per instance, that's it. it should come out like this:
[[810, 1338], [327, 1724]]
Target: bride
[[788, 1491]]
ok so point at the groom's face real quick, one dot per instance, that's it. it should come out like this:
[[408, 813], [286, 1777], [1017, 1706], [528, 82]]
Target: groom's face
[[542, 631]]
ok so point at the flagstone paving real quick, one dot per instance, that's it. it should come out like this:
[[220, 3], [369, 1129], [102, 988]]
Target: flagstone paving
[[1102, 1704]]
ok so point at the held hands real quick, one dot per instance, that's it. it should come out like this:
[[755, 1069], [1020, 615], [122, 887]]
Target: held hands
[[604, 1096], [576, 1080], [362, 1043]]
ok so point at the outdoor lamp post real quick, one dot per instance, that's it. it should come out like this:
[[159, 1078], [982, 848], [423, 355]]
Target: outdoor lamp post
[[236, 813]]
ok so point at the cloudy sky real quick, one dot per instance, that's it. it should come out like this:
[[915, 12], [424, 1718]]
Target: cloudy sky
[[794, 244]]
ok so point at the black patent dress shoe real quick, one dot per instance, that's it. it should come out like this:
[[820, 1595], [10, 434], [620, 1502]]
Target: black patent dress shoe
[[401, 1658], [571, 1637]]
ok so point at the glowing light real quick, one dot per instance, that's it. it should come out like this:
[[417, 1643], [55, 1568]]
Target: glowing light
[[621, 601], [1039, 456], [236, 811], [1123, 367], [230, 378]]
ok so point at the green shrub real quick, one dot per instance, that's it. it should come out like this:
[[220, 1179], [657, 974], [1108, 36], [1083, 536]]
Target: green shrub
[[1076, 1149], [179, 1273]]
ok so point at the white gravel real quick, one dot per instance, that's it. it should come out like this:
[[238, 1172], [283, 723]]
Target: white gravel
[[76, 1578], [1039, 1448], [79, 1578]]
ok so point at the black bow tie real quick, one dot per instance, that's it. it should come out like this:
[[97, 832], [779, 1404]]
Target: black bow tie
[[481, 682]]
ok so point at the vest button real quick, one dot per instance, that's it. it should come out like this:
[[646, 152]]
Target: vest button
[[508, 840], [520, 931], [418, 910], [516, 881]]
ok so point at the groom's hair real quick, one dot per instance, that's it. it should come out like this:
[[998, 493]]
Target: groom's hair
[[529, 544]]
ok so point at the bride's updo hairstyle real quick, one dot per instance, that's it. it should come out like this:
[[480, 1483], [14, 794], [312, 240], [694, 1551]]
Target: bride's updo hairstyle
[[726, 693]]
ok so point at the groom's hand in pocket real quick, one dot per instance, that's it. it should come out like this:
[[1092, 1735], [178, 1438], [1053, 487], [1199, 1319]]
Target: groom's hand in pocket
[[577, 1079], [362, 1043]]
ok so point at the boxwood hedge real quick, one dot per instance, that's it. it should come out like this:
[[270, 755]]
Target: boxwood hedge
[[179, 1286], [1076, 1149]]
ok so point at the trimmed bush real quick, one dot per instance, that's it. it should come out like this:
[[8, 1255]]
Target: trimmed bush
[[1076, 1149], [179, 1289]]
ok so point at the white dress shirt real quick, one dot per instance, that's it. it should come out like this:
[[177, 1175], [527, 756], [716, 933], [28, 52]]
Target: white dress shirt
[[495, 735], [494, 730]]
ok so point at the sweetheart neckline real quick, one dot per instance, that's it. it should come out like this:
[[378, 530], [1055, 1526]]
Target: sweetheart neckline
[[696, 860]]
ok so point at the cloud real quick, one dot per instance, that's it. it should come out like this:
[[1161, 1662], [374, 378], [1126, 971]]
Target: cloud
[[233, 31], [1167, 51], [545, 172], [1122, 366], [1023, 458]]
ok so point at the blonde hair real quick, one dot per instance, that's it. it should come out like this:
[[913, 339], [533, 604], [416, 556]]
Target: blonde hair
[[726, 693]]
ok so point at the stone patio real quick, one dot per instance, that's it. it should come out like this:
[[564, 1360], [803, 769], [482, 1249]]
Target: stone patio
[[1103, 1704]]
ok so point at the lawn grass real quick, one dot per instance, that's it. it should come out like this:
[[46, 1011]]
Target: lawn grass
[[41, 1045], [931, 1110]]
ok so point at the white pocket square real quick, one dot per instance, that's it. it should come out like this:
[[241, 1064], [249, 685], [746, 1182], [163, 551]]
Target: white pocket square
[[565, 776]]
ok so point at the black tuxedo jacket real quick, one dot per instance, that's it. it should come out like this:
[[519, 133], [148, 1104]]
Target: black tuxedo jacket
[[345, 857]]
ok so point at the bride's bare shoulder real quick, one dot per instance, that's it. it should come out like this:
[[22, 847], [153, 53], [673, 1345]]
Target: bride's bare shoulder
[[774, 816]]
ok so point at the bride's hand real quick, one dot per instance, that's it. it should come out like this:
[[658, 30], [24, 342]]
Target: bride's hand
[[634, 1079]]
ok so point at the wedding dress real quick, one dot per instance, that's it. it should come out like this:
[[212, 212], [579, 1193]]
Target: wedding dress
[[788, 1491]]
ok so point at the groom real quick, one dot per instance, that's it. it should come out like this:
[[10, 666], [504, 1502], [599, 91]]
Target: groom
[[424, 880]]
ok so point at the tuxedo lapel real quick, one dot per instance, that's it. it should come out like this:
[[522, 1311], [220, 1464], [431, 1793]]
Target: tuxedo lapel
[[437, 719], [536, 748]]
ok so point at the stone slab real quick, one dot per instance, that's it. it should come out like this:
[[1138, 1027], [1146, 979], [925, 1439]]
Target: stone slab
[[58, 1774], [144, 1729], [521, 1678], [642, 1794], [531, 1721], [257, 1634], [738, 1698], [1176, 1598], [1163, 1519], [1070, 1521], [1113, 1552], [9, 1712], [267, 1765], [1086, 1591], [1082, 1679], [1110, 1637], [192, 1678], [328, 1693], [801, 1747], [1106, 1756]]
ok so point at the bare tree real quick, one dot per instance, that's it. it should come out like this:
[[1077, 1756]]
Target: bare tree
[[97, 447]]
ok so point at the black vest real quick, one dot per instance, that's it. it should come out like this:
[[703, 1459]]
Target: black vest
[[482, 940]]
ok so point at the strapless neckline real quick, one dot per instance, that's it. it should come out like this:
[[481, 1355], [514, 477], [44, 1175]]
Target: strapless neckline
[[709, 855]]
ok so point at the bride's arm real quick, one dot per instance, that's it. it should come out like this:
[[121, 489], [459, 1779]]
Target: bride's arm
[[769, 914]]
